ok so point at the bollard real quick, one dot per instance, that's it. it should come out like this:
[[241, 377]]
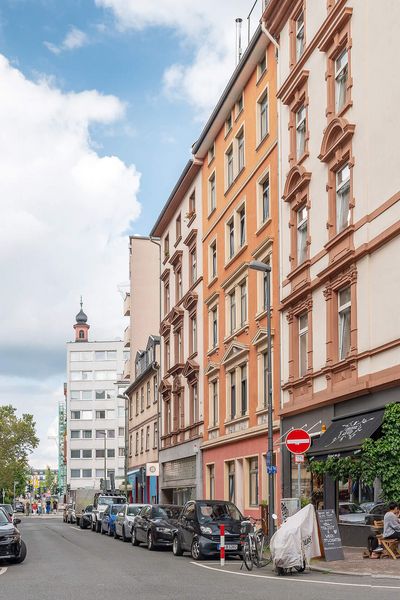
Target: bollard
[[222, 544]]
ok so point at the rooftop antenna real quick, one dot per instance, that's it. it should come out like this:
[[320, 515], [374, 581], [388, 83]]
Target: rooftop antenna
[[81, 303], [238, 40]]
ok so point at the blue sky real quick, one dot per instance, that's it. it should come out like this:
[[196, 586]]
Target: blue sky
[[100, 103]]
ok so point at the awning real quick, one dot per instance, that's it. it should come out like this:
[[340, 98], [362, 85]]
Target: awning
[[346, 435]]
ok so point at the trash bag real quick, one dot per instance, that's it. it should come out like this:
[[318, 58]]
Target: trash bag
[[296, 541]]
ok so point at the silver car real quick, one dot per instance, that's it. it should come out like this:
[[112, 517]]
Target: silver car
[[349, 512], [124, 521]]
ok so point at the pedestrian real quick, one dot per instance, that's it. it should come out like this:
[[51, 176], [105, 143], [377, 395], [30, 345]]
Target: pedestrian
[[34, 507], [55, 506], [39, 508], [27, 508], [391, 523], [48, 506]]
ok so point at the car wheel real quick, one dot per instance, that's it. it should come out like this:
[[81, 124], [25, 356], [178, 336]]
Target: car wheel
[[22, 554], [93, 526], [176, 546], [116, 536], [135, 541], [110, 533], [78, 522], [195, 550], [98, 526], [150, 542], [102, 530], [124, 538]]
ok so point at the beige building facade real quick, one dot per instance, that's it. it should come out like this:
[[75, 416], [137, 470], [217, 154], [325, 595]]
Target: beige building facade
[[339, 219]]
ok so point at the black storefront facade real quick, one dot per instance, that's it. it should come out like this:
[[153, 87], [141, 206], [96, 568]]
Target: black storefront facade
[[347, 424]]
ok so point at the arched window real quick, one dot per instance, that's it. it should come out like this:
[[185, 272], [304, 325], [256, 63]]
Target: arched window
[[81, 334]]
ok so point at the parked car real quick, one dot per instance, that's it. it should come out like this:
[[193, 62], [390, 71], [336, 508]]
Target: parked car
[[350, 512], [85, 520], [100, 502], [19, 507], [12, 547], [198, 529], [125, 519], [155, 525], [376, 513], [108, 519], [367, 505], [9, 510]]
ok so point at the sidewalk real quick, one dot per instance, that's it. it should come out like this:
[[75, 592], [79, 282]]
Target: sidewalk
[[355, 564]]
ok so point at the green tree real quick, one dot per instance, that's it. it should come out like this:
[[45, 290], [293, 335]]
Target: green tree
[[17, 440], [49, 480]]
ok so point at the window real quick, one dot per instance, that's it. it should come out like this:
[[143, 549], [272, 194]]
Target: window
[[211, 153], [303, 345], [265, 292], [100, 452], [178, 284], [214, 325], [192, 203], [105, 355], [301, 235], [229, 167], [240, 150], [243, 303], [110, 452], [99, 472], [87, 453], [211, 481], [262, 66], [213, 260], [228, 124], [75, 473], [231, 481], [100, 434], [75, 453], [121, 451], [155, 435], [100, 414], [193, 333], [105, 375], [155, 389], [147, 438], [344, 309], [81, 356], [300, 131], [265, 200], [232, 311], [148, 394], [75, 414], [178, 227], [193, 266], [342, 198], [121, 431], [81, 375], [81, 334], [214, 403], [141, 441], [104, 395], [166, 246], [195, 403], [265, 378], [341, 76], [239, 105], [299, 35], [142, 399], [120, 412], [253, 482], [167, 354], [263, 116], [243, 389], [87, 434], [168, 416], [111, 433], [231, 238], [137, 444], [137, 403], [242, 226], [166, 298], [212, 193], [232, 377]]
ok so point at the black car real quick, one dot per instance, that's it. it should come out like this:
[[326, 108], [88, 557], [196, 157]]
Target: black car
[[376, 513], [155, 525], [86, 519], [198, 529], [12, 547]]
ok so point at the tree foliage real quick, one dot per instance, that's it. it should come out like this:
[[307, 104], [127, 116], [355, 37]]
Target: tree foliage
[[49, 480], [17, 440], [378, 458]]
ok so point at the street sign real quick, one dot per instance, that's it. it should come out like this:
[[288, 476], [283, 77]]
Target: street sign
[[299, 459], [271, 470], [298, 441], [152, 469]]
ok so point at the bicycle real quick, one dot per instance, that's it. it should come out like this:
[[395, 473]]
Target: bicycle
[[254, 545]]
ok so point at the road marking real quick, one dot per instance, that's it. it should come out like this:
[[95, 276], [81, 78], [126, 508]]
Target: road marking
[[298, 580], [3, 570]]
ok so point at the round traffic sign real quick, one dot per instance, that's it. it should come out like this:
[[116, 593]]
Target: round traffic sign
[[298, 441]]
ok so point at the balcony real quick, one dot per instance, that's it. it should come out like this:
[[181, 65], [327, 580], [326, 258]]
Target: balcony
[[127, 337], [127, 305], [127, 370]]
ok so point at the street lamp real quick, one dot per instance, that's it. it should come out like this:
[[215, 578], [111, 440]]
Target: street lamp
[[126, 398], [265, 268]]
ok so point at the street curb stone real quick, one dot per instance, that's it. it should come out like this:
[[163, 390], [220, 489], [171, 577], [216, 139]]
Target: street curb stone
[[372, 575]]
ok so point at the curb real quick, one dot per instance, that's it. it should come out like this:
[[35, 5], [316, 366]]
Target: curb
[[350, 574]]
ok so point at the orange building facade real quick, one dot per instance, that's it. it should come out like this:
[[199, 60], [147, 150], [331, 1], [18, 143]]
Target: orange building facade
[[238, 151]]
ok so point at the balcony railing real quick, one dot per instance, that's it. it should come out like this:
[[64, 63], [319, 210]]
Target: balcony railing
[[127, 305]]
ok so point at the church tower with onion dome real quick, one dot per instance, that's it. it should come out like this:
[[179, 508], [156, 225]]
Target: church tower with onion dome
[[81, 326]]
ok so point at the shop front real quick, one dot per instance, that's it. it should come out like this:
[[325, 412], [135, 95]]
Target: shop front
[[180, 474], [144, 487]]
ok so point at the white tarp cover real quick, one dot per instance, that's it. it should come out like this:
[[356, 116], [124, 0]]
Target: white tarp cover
[[296, 540]]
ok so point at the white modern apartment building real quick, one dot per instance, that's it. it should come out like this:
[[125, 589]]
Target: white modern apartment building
[[95, 414]]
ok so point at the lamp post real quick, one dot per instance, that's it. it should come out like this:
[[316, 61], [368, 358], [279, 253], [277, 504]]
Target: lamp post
[[126, 398], [265, 268]]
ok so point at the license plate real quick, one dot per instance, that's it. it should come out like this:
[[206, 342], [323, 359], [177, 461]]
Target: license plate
[[228, 547]]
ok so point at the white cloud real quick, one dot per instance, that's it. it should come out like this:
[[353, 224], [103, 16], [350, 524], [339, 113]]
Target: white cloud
[[74, 39], [63, 211], [207, 30]]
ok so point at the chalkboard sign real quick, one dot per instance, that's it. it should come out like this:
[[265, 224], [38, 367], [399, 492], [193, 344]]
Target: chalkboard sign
[[330, 534]]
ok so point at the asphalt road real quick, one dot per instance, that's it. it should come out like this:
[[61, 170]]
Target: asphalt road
[[66, 563]]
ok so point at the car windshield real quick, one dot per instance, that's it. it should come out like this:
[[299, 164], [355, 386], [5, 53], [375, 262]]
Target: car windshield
[[109, 500], [209, 512], [8, 508], [3, 518], [166, 512], [349, 509], [133, 510]]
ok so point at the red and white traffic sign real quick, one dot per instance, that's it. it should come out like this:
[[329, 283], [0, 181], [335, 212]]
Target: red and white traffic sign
[[298, 441]]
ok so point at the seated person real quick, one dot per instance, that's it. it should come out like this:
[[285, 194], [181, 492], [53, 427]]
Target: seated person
[[391, 522]]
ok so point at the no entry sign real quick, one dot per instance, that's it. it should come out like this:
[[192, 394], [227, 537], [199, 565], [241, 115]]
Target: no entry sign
[[298, 441]]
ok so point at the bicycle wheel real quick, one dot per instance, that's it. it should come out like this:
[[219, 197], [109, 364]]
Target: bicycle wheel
[[258, 557], [247, 554]]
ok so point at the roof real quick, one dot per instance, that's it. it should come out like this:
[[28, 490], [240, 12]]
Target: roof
[[232, 90]]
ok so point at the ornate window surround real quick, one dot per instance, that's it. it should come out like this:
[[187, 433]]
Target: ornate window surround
[[296, 193]]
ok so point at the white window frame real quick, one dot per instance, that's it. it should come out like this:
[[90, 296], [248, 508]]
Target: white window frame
[[240, 150], [239, 105], [228, 124], [229, 166], [262, 131], [301, 129], [342, 188], [299, 237], [344, 314], [300, 35], [303, 336], [212, 193], [260, 69], [212, 272], [341, 78]]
